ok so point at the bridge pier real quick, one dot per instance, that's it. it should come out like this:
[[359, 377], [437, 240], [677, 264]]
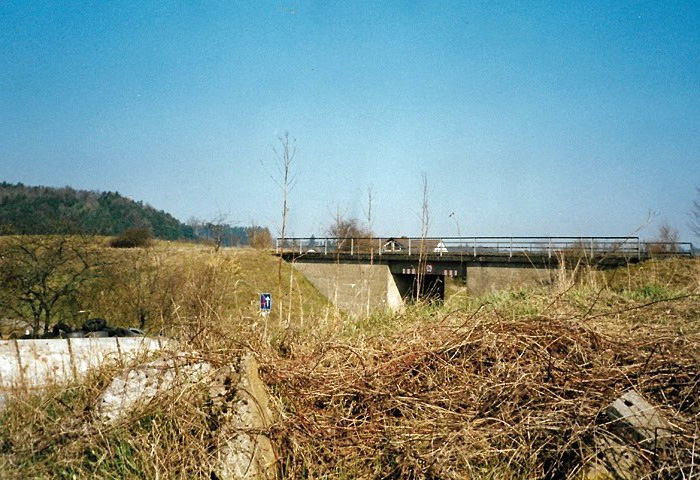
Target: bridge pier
[[483, 279]]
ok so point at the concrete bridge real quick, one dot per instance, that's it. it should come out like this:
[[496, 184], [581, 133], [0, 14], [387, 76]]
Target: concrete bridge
[[361, 274]]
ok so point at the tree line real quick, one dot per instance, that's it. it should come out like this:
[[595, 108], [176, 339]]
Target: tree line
[[39, 210], [29, 210]]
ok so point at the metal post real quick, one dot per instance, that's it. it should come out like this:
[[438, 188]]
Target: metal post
[[325, 247], [511, 248], [639, 248], [380, 246], [409, 247], [352, 247], [474, 245], [550, 247], [301, 246], [591, 247]]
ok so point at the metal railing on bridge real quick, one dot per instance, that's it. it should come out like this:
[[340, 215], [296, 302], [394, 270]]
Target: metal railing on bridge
[[631, 247]]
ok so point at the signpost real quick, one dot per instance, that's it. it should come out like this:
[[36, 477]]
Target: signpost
[[265, 303]]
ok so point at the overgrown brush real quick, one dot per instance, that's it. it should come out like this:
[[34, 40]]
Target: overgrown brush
[[478, 396], [55, 434], [508, 385]]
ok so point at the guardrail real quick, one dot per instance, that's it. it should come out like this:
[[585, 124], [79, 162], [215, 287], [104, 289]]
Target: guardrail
[[632, 247]]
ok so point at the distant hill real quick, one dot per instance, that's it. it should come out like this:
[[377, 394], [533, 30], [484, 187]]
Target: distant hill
[[44, 210], [47, 210]]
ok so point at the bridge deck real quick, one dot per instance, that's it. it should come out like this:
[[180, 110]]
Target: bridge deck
[[523, 250]]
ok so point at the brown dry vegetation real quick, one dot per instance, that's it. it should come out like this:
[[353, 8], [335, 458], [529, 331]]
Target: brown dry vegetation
[[509, 385]]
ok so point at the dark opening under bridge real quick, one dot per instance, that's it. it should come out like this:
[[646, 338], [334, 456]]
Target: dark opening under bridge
[[481, 263]]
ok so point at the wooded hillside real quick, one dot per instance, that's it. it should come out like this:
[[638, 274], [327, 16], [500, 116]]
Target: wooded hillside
[[44, 210]]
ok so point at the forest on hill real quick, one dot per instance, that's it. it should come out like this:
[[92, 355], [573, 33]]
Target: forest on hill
[[47, 210]]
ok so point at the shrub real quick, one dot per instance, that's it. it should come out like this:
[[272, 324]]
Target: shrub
[[133, 237], [651, 292], [259, 238]]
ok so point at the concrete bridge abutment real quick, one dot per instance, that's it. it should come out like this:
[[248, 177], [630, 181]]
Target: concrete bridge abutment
[[353, 287], [361, 289]]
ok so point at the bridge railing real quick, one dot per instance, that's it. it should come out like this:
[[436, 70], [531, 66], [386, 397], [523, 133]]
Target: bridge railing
[[632, 247]]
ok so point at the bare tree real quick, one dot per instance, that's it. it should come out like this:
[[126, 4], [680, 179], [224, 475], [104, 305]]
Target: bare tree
[[285, 155], [461, 277], [424, 226], [368, 216], [368, 211], [42, 276], [348, 231], [218, 226], [694, 222], [668, 238]]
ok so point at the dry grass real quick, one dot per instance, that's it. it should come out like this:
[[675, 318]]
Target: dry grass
[[54, 434], [508, 385], [479, 395], [192, 292]]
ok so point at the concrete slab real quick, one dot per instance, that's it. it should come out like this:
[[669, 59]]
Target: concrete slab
[[637, 419], [9, 364], [87, 353], [44, 362], [134, 347]]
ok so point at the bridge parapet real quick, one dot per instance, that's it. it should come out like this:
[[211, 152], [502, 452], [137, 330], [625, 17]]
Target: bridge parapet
[[627, 247]]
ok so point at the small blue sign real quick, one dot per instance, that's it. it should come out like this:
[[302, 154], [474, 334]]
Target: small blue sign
[[265, 302]]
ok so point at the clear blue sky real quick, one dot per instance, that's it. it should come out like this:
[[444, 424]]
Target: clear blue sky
[[529, 118]]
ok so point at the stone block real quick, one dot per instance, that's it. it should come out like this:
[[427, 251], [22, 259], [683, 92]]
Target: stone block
[[238, 401], [244, 450], [634, 424]]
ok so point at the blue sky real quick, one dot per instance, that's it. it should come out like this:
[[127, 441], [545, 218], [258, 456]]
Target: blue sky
[[528, 118]]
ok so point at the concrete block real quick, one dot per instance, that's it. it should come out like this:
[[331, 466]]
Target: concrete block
[[139, 385], [244, 450], [87, 353], [9, 364], [619, 458], [40, 363], [44, 362], [635, 418], [134, 347], [238, 401], [634, 424]]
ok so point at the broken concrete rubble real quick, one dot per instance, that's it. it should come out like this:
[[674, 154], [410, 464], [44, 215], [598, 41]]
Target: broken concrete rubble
[[634, 418], [633, 427], [237, 399], [244, 451], [139, 385]]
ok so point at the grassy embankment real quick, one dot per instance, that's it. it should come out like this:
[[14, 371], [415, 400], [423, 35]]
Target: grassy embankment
[[508, 385]]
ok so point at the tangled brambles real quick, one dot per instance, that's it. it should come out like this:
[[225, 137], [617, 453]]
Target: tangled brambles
[[483, 397]]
